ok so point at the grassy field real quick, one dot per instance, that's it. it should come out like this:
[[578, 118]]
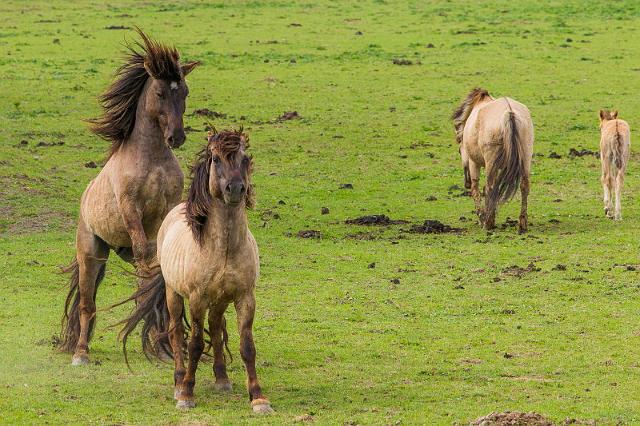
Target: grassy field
[[445, 328]]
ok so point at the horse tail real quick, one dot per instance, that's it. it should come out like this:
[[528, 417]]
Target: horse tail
[[616, 152], [151, 307], [508, 168], [70, 332]]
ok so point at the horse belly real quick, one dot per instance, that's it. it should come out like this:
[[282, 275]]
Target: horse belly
[[100, 212]]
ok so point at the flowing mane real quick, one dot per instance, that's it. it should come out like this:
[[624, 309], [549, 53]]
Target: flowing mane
[[120, 100], [461, 113], [226, 144]]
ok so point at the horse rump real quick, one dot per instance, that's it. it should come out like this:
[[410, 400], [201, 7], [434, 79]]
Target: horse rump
[[508, 168]]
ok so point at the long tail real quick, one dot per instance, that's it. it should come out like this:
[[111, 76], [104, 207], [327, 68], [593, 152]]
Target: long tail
[[71, 318], [151, 308], [509, 165], [617, 149]]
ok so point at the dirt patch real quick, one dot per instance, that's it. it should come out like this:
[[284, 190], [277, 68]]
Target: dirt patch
[[583, 152], [402, 61], [117, 27], [346, 186], [309, 233], [43, 143], [289, 115], [432, 227], [376, 219], [513, 418], [90, 165], [206, 112], [555, 155], [43, 222], [517, 271]]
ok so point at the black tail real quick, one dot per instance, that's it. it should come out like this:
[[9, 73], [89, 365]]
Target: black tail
[[151, 308], [509, 165], [71, 318]]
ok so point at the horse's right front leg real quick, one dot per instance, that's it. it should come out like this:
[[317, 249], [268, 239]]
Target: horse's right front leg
[[132, 217], [196, 347], [175, 306]]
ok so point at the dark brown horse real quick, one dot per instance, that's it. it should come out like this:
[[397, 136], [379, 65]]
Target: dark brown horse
[[123, 207], [209, 258]]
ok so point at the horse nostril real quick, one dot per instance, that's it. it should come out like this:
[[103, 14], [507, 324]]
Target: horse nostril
[[228, 188], [170, 140], [242, 188]]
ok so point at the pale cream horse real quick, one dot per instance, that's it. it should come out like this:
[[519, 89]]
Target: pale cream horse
[[615, 145], [496, 134], [209, 258]]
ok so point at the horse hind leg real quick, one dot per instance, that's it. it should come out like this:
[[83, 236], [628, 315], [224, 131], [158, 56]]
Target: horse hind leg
[[218, 330], [89, 269], [523, 222], [619, 182]]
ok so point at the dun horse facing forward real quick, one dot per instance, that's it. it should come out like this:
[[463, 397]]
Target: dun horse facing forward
[[209, 257], [496, 134], [615, 144], [123, 207]]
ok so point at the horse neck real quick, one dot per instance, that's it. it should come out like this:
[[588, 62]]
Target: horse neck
[[147, 138], [226, 228]]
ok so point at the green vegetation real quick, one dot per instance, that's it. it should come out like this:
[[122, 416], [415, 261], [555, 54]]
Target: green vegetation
[[461, 332]]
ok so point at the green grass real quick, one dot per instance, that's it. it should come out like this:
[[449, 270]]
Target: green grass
[[337, 339]]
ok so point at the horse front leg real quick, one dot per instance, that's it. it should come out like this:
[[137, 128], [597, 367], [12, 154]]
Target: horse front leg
[[175, 306], [245, 310], [186, 399], [218, 331], [143, 252]]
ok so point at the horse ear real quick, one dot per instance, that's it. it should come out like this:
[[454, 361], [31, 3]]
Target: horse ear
[[188, 67], [602, 115], [614, 115], [147, 69]]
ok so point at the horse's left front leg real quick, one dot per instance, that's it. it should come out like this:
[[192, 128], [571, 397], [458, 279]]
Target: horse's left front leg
[[245, 310]]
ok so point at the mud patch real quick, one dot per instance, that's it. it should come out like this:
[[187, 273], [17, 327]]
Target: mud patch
[[402, 61], [555, 155], [515, 418], [206, 112], [289, 115], [573, 153], [376, 219], [117, 27], [309, 233], [517, 271], [44, 143], [432, 227]]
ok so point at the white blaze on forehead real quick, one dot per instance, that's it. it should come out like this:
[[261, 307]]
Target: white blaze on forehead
[[174, 85]]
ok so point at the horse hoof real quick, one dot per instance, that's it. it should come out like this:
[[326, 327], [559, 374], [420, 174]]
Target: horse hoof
[[82, 359], [223, 386], [261, 406], [185, 404]]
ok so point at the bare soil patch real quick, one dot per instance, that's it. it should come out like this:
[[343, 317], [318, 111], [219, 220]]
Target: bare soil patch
[[376, 219], [513, 418]]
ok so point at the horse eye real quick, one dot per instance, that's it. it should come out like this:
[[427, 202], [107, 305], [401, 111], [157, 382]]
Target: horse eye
[[216, 159], [160, 95], [245, 160]]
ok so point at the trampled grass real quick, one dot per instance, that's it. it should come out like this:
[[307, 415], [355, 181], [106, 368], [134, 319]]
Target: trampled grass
[[461, 333]]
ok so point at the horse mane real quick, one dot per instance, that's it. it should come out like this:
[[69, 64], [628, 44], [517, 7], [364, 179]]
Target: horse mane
[[225, 143], [461, 114], [120, 100]]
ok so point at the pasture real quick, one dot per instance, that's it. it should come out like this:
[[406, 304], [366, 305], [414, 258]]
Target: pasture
[[365, 324]]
